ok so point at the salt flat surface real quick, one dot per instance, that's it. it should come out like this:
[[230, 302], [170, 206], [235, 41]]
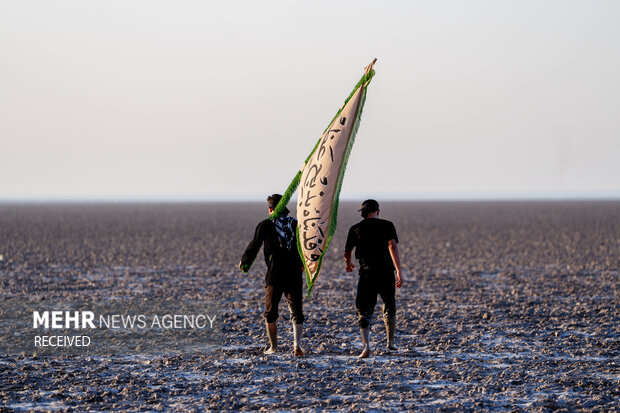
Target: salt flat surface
[[515, 307]]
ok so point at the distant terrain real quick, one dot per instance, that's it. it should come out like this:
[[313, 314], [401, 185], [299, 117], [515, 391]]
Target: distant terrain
[[506, 306]]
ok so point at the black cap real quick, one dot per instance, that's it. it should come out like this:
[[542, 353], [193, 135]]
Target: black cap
[[368, 206]]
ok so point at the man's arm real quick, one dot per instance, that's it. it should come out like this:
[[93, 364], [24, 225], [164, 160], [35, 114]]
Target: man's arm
[[252, 249], [348, 262], [348, 249], [393, 247]]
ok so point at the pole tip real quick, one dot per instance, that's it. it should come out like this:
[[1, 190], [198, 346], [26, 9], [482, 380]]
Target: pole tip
[[368, 68]]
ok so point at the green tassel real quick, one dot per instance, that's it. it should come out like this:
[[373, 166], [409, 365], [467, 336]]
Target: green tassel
[[333, 219], [288, 194]]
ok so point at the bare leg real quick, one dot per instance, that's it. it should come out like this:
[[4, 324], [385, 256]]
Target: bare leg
[[272, 333], [297, 332], [365, 333], [390, 327]]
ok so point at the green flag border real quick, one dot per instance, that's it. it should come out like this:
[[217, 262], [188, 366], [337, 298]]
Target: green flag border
[[288, 194], [333, 218]]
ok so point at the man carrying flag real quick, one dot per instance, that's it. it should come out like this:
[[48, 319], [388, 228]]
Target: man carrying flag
[[294, 245], [277, 236], [320, 181], [375, 246]]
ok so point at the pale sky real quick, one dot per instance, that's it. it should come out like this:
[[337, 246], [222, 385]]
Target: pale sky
[[224, 100]]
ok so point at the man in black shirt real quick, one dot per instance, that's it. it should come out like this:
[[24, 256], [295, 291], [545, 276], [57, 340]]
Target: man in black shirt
[[284, 271], [375, 246]]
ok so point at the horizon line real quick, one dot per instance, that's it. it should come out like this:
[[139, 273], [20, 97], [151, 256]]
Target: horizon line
[[426, 197]]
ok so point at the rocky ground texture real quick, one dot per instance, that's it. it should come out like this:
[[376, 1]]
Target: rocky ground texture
[[506, 306]]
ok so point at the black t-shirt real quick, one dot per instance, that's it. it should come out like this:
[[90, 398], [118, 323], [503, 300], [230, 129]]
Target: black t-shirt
[[370, 238], [284, 266]]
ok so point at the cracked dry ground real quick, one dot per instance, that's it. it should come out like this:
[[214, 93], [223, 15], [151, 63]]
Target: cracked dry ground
[[515, 307]]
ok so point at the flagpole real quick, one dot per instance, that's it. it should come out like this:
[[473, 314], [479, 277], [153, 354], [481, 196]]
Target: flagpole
[[368, 74]]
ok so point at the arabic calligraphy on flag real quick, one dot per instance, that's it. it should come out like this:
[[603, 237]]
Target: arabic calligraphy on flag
[[320, 184], [320, 181]]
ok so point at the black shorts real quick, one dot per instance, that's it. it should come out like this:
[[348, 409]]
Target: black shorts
[[294, 298], [369, 286]]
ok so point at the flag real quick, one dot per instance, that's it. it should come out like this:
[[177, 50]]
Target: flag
[[320, 181]]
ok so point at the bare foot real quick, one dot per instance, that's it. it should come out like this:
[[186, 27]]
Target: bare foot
[[299, 352], [365, 353], [271, 350]]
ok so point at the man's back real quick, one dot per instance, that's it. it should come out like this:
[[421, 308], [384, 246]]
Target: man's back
[[277, 236], [281, 257], [370, 238]]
